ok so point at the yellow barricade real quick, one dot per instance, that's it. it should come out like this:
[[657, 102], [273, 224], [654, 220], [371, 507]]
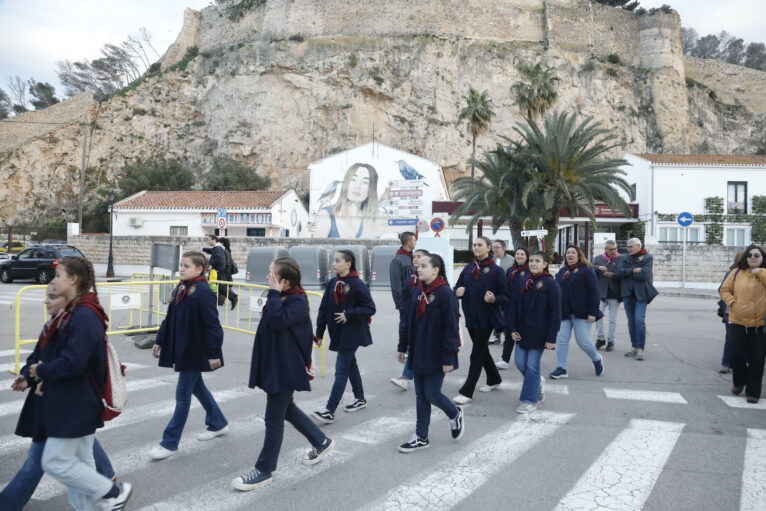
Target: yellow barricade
[[139, 305]]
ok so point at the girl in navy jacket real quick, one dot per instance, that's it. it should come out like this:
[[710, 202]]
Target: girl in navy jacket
[[346, 311], [281, 354], [534, 319], [428, 341], [515, 278], [580, 298], [74, 363], [189, 340], [481, 288]]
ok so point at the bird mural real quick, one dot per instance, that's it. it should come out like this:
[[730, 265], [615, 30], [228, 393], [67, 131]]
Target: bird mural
[[408, 172], [328, 194]]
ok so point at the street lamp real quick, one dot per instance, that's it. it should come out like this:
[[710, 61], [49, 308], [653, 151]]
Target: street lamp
[[109, 263]]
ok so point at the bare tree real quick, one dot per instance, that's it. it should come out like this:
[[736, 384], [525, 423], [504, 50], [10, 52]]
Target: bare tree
[[18, 92], [689, 38], [146, 37]]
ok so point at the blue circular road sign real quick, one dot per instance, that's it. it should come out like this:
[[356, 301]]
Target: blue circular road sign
[[685, 219]]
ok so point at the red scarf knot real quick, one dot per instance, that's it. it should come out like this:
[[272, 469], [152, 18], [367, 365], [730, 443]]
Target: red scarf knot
[[641, 253], [181, 289], [423, 297], [478, 264], [609, 259], [50, 328], [569, 269], [413, 281], [401, 251], [338, 293], [517, 269], [530, 286]]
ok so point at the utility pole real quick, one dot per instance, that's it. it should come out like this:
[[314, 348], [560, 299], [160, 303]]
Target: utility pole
[[281, 193], [81, 195]]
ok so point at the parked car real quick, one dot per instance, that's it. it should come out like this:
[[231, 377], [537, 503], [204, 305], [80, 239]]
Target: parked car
[[37, 263], [17, 246], [4, 256], [54, 242]]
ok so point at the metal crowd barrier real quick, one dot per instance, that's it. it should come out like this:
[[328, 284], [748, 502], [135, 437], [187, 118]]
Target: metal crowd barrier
[[139, 305]]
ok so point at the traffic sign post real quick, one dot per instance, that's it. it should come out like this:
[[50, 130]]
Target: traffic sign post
[[221, 225], [437, 226], [684, 220]]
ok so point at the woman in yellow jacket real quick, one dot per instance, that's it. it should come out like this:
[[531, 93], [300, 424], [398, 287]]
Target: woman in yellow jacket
[[744, 292]]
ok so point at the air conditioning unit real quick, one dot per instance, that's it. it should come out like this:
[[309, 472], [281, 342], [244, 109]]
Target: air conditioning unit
[[136, 221]]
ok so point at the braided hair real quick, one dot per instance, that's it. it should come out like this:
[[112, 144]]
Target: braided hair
[[287, 268], [437, 262], [86, 278]]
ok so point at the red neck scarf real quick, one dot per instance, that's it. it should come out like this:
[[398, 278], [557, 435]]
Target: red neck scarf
[[423, 297], [609, 259], [413, 281], [88, 300], [532, 279], [295, 290], [478, 264], [570, 269], [643, 252], [338, 292], [50, 328], [401, 251], [516, 269], [181, 289]]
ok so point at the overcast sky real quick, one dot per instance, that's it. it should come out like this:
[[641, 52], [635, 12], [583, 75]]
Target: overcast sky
[[37, 33]]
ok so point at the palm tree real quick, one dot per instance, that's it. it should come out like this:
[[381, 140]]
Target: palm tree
[[570, 169], [536, 93]]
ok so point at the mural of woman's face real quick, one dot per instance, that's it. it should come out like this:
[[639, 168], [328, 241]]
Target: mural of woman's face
[[359, 187]]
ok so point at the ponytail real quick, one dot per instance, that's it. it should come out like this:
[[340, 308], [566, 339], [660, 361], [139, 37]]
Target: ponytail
[[438, 262], [86, 277]]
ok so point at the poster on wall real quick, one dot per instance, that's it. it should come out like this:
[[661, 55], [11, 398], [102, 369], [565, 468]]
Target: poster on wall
[[372, 191]]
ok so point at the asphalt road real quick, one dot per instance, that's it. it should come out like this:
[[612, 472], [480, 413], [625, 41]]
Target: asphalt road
[[649, 435]]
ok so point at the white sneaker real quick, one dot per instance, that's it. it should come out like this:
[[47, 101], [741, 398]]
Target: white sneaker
[[526, 407], [488, 388], [502, 364], [118, 502], [460, 399], [541, 392], [402, 383], [209, 435], [160, 453]]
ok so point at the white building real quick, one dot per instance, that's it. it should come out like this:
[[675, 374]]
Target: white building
[[666, 185], [196, 213]]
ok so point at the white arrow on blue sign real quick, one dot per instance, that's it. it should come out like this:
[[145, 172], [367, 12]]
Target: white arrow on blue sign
[[685, 219]]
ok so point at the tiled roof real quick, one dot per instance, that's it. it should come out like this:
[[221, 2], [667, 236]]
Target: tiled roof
[[200, 200], [705, 159]]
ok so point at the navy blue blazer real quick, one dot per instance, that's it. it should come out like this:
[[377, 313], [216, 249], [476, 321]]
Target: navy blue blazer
[[477, 312], [217, 258], [30, 422], [359, 308], [71, 407], [637, 285], [580, 296], [282, 347], [191, 334], [536, 313], [514, 287], [431, 341]]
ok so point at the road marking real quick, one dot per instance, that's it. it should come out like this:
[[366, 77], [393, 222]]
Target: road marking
[[131, 365], [753, 494], [553, 388], [468, 469], [646, 395], [740, 402], [10, 353], [626, 471]]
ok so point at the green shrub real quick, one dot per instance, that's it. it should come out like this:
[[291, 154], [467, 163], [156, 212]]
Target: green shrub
[[139, 111], [613, 58], [612, 72], [239, 9]]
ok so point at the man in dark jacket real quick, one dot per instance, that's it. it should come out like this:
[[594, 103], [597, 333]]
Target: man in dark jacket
[[401, 266], [637, 291], [609, 291], [217, 262]]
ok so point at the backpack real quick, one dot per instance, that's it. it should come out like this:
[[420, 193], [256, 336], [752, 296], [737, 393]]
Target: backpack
[[233, 270], [115, 393]]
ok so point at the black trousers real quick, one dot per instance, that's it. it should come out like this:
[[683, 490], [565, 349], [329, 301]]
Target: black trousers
[[747, 353], [225, 291], [480, 358], [507, 347]]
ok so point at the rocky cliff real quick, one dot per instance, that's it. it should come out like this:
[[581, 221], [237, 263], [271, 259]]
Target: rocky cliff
[[281, 83]]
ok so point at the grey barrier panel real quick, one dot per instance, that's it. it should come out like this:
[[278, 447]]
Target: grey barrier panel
[[312, 261], [362, 256], [166, 256], [379, 267], [258, 261]]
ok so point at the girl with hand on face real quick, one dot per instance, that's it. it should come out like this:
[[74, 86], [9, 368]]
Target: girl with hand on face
[[17, 493], [481, 288], [515, 279], [534, 320], [189, 340], [67, 378], [346, 311], [281, 354], [428, 341], [580, 300]]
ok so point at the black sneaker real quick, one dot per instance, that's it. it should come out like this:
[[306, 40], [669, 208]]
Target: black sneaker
[[316, 454], [234, 302], [324, 416], [251, 480], [609, 346], [600, 343], [456, 424], [415, 444], [118, 502], [358, 404]]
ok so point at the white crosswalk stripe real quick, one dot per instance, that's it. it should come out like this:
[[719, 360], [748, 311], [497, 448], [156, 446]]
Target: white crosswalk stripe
[[11, 353], [645, 395], [753, 494], [741, 402], [626, 471]]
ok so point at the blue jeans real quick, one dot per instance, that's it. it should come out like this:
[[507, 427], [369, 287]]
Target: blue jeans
[[407, 372], [17, 493], [636, 312], [528, 363], [190, 382], [725, 358], [280, 408], [428, 391], [581, 329], [345, 370], [70, 461]]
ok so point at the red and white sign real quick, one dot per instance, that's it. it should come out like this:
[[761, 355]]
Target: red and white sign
[[222, 223]]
